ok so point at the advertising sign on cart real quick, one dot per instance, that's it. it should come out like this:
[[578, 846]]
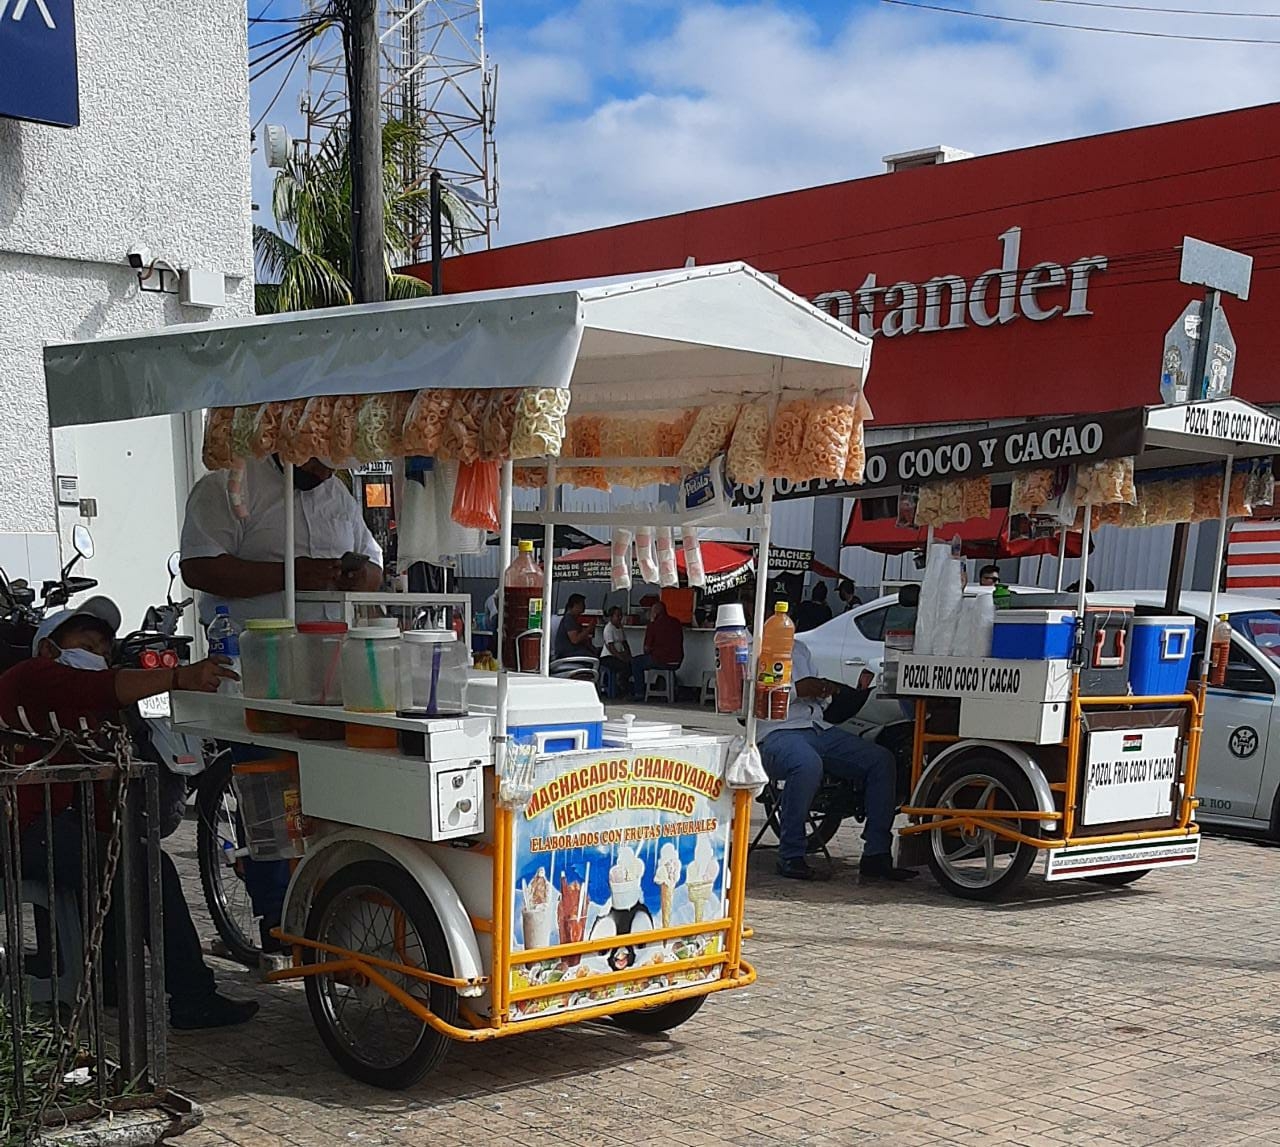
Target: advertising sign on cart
[[1129, 774], [618, 843]]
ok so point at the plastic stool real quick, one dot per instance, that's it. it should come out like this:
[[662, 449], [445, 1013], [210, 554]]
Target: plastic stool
[[660, 685], [66, 919], [708, 688], [608, 682]]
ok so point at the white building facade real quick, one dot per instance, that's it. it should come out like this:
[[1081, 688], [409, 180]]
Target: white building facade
[[159, 166]]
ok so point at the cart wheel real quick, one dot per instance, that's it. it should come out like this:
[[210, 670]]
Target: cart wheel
[[377, 909], [1119, 879], [218, 836], [978, 864], [650, 1021]]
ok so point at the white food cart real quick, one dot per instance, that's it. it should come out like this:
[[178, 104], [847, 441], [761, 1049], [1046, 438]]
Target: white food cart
[[424, 907]]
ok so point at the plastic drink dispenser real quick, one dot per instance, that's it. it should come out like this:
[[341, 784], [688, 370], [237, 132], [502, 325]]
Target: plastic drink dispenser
[[773, 675], [266, 661], [1220, 650], [733, 656], [434, 665], [371, 670], [317, 662], [521, 583]]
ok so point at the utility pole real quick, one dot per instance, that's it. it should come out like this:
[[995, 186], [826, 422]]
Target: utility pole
[[368, 225], [437, 234]]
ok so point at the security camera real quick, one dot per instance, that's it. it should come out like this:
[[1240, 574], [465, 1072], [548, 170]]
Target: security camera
[[140, 257]]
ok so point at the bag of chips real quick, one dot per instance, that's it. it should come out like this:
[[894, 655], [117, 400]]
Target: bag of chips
[[1031, 489], [243, 423], [461, 441], [216, 452], [342, 428], [709, 435], [287, 436], [1100, 483], [425, 422], [584, 442], [786, 440], [826, 440], [539, 429], [498, 424]]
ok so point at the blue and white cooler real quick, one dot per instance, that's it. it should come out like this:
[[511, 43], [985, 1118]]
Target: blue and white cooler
[[1160, 656], [557, 714], [1033, 634]]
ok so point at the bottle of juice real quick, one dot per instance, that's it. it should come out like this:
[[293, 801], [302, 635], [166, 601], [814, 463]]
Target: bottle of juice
[[1220, 651], [773, 675], [521, 583], [733, 655]]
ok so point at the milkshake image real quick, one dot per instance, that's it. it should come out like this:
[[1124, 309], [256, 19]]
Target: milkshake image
[[666, 875], [625, 877], [572, 913], [537, 913], [700, 878]]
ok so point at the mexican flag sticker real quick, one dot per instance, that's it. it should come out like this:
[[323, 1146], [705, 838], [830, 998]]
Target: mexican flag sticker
[[1133, 743]]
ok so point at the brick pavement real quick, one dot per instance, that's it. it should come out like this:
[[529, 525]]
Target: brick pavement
[[887, 1015]]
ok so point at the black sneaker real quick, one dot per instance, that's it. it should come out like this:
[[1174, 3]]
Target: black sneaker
[[881, 867], [215, 1011], [799, 870]]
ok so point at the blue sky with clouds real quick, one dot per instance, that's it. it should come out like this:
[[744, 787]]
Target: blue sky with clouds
[[611, 110]]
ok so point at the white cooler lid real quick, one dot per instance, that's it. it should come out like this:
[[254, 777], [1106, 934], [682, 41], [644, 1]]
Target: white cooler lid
[[625, 732], [1182, 622], [534, 700]]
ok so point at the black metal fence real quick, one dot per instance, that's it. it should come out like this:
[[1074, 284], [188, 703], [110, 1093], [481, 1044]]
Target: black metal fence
[[81, 969]]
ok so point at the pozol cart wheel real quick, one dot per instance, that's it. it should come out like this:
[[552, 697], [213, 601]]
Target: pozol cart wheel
[[977, 864], [377, 909], [650, 1021]]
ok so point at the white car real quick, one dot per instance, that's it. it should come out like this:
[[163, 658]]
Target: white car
[[1239, 780]]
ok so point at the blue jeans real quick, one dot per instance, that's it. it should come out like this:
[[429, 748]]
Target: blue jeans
[[799, 757]]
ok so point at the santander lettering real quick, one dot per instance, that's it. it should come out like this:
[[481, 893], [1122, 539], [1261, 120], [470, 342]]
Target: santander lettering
[[951, 303]]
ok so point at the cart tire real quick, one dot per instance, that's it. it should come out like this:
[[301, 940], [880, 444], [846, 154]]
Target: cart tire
[[983, 867], [225, 894], [389, 1059], [651, 1021], [1119, 879]]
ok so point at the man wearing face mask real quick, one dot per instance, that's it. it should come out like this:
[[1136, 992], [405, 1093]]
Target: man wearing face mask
[[69, 680], [233, 555]]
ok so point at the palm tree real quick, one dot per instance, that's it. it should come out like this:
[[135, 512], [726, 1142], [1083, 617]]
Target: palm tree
[[307, 263]]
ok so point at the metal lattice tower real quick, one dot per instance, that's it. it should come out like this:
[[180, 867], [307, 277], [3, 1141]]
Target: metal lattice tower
[[434, 72]]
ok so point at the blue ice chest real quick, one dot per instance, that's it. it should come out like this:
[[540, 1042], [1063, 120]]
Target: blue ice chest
[[1160, 657], [556, 714], [1033, 634]]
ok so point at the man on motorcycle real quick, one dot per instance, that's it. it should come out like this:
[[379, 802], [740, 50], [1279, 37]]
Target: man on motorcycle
[[233, 555], [69, 679], [799, 749]]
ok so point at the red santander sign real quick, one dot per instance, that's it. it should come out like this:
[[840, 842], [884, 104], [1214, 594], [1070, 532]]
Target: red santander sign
[[1028, 283]]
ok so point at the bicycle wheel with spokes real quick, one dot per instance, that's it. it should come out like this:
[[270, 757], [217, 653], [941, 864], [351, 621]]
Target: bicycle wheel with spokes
[[222, 854], [972, 862], [377, 909]]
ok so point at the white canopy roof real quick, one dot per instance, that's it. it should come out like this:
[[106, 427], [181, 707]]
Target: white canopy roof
[[669, 339]]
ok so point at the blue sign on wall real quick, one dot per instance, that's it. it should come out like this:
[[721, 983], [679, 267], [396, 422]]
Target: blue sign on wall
[[38, 77]]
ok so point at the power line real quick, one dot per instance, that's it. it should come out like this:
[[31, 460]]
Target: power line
[[1077, 27], [1166, 11], [279, 92]]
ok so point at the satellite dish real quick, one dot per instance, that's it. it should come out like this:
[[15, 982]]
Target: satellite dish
[[277, 145]]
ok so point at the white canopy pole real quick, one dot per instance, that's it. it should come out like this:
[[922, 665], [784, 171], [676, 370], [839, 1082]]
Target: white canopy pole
[[1217, 565], [504, 555], [548, 572], [1084, 557], [762, 585], [290, 533], [1062, 558]]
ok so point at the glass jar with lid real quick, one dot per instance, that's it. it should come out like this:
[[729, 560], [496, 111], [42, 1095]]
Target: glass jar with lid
[[371, 670], [266, 662], [434, 673], [317, 662]]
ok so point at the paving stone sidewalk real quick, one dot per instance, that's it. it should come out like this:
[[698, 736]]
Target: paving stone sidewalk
[[889, 1015]]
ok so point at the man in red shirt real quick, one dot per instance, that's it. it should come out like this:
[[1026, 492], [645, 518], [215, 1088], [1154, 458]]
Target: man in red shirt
[[663, 644], [69, 683]]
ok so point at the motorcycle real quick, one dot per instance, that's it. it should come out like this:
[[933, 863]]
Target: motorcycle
[[20, 617]]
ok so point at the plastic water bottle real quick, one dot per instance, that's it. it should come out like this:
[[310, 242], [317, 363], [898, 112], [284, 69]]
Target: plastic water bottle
[[224, 641]]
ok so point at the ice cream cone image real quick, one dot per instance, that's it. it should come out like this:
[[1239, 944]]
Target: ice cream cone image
[[666, 875], [625, 878], [700, 878]]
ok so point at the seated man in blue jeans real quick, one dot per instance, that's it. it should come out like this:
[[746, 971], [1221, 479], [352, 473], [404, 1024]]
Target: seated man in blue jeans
[[798, 750]]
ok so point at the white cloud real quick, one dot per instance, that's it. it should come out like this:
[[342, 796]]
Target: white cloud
[[727, 103]]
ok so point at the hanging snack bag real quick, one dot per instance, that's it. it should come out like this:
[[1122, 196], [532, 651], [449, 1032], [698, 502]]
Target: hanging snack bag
[[620, 559], [216, 453], [693, 568], [646, 555], [709, 435], [668, 573]]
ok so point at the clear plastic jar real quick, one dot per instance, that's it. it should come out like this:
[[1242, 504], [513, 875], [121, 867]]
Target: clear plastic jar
[[371, 670], [317, 662], [434, 668], [266, 662]]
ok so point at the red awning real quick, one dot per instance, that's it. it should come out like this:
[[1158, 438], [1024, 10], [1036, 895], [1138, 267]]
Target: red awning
[[979, 537], [725, 563]]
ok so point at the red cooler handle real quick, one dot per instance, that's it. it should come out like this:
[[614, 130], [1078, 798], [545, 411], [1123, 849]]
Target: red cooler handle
[[1099, 643]]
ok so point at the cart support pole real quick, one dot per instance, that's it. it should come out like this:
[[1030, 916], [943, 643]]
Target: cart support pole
[[1084, 565], [548, 573], [290, 535], [1217, 565], [1062, 559], [504, 554], [762, 585]]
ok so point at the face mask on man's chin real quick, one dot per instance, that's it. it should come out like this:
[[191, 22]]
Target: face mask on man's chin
[[82, 659]]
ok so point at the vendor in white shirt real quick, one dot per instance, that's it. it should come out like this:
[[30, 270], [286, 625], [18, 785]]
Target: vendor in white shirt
[[237, 558], [799, 749]]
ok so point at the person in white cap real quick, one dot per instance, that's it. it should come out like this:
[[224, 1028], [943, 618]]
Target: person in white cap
[[233, 551], [70, 681]]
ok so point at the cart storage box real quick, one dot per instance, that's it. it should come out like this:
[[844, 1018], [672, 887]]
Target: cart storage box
[[1033, 634], [1108, 633], [1160, 657], [555, 713], [1026, 721]]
